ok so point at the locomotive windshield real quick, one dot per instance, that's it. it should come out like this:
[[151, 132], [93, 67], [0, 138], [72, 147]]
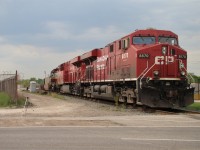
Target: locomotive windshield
[[169, 40], [144, 40]]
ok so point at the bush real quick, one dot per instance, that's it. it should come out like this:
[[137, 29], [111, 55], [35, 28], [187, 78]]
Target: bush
[[20, 101], [5, 99]]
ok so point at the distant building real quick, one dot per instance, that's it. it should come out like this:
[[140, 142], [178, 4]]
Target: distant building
[[32, 86]]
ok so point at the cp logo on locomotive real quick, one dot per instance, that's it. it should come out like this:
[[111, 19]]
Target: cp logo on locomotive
[[159, 60]]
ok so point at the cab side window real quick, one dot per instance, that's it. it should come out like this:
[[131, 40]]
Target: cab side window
[[111, 48], [125, 43]]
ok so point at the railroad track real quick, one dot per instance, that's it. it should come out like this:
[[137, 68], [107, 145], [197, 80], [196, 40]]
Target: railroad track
[[140, 107]]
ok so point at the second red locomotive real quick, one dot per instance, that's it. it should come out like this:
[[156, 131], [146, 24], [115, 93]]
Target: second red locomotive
[[146, 66]]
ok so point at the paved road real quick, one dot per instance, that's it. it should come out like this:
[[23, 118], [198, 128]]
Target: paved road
[[100, 138]]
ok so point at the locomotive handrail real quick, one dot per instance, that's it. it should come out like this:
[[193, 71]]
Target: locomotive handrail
[[145, 74], [189, 75], [187, 72]]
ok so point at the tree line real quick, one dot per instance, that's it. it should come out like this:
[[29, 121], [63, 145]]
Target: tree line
[[26, 82], [195, 77]]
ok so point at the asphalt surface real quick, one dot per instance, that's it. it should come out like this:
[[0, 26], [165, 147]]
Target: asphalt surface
[[75, 126], [100, 138]]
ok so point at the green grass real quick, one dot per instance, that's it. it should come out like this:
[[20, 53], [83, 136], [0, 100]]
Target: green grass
[[6, 101], [194, 106]]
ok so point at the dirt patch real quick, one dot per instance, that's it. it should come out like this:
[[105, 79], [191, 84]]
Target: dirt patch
[[45, 108]]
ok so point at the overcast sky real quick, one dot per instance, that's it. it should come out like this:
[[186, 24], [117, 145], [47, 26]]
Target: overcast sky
[[38, 35]]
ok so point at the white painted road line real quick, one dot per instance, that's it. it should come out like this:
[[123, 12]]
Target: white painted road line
[[99, 126], [175, 140]]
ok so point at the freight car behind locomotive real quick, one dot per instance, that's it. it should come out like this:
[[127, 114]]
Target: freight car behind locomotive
[[146, 66]]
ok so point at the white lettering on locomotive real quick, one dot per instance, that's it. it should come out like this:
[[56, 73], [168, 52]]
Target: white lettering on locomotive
[[125, 55], [100, 67], [102, 58], [159, 60]]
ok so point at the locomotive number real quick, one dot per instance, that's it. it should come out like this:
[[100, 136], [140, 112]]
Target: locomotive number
[[143, 55], [125, 55], [159, 60], [182, 56]]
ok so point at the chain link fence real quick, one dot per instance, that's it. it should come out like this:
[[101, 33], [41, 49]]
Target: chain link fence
[[8, 84]]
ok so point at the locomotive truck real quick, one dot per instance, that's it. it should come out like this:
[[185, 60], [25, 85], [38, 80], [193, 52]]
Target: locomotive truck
[[146, 66]]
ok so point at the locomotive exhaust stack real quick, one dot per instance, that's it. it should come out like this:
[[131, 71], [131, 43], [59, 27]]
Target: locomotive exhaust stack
[[146, 66]]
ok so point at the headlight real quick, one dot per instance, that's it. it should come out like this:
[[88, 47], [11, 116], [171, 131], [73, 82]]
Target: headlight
[[183, 73], [164, 50], [156, 73]]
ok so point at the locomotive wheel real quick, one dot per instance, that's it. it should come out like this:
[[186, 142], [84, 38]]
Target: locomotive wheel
[[134, 103], [122, 101], [125, 102], [117, 97]]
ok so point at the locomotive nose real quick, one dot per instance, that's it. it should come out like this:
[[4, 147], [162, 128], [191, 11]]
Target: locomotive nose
[[171, 61]]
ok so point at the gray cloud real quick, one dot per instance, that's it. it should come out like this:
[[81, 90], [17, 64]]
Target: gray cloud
[[38, 35]]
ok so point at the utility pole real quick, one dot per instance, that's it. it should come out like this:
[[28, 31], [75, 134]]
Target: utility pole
[[198, 87], [16, 95]]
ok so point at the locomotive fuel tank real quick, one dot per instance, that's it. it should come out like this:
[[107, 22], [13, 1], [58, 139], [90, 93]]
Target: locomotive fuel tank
[[103, 92], [65, 89]]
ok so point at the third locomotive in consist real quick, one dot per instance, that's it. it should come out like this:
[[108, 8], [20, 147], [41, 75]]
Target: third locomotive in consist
[[146, 66]]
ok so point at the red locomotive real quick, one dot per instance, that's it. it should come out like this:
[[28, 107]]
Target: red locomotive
[[146, 66]]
